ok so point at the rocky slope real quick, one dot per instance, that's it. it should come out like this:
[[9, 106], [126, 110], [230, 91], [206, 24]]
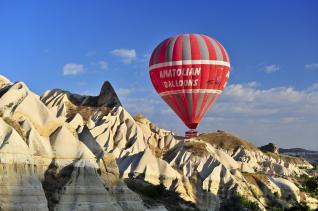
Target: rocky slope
[[88, 153]]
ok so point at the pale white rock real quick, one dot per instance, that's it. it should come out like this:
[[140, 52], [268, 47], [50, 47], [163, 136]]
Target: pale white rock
[[4, 82], [156, 136], [67, 148], [19, 184], [13, 149], [20, 188], [84, 191], [151, 167], [45, 140], [125, 197], [54, 99], [311, 202], [38, 145], [288, 189], [17, 102], [76, 122]]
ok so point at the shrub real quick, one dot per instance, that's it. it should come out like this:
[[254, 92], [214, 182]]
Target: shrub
[[310, 185], [248, 204]]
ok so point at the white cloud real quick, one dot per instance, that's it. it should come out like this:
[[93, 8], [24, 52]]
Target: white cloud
[[250, 101], [312, 66], [271, 68], [103, 65], [73, 69], [127, 55], [313, 88]]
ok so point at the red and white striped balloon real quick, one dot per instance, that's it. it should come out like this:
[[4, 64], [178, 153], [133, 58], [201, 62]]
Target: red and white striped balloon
[[189, 72]]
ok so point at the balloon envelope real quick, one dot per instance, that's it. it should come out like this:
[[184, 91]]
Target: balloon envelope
[[189, 72]]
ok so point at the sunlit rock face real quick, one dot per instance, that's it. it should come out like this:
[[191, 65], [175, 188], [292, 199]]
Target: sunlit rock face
[[74, 152], [43, 160]]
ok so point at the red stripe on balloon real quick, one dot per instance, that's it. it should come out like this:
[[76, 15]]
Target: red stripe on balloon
[[151, 62], [224, 78], [195, 55], [168, 99], [195, 49], [204, 102], [208, 106], [225, 58], [162, 53], [180, 107], [212, 53], [177, 49]]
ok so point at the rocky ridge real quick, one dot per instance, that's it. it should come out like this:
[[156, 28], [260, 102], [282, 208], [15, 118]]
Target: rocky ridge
[[88, 153]]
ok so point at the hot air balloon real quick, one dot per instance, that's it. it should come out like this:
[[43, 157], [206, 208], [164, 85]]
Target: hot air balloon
[[189, 72]]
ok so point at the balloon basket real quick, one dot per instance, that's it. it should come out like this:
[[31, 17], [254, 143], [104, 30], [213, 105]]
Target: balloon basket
[[191, 133]]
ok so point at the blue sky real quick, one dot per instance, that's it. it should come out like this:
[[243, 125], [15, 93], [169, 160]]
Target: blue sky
[[75, 45]]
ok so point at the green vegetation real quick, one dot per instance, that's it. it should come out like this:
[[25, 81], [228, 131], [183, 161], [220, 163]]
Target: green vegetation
[[252, 205], [309, 185]]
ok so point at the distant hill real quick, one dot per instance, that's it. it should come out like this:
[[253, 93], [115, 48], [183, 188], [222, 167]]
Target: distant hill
[[296, 150], [310, 155]]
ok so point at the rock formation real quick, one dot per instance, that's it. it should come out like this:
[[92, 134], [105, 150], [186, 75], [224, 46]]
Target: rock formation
[[73, 152], [273, 148]]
